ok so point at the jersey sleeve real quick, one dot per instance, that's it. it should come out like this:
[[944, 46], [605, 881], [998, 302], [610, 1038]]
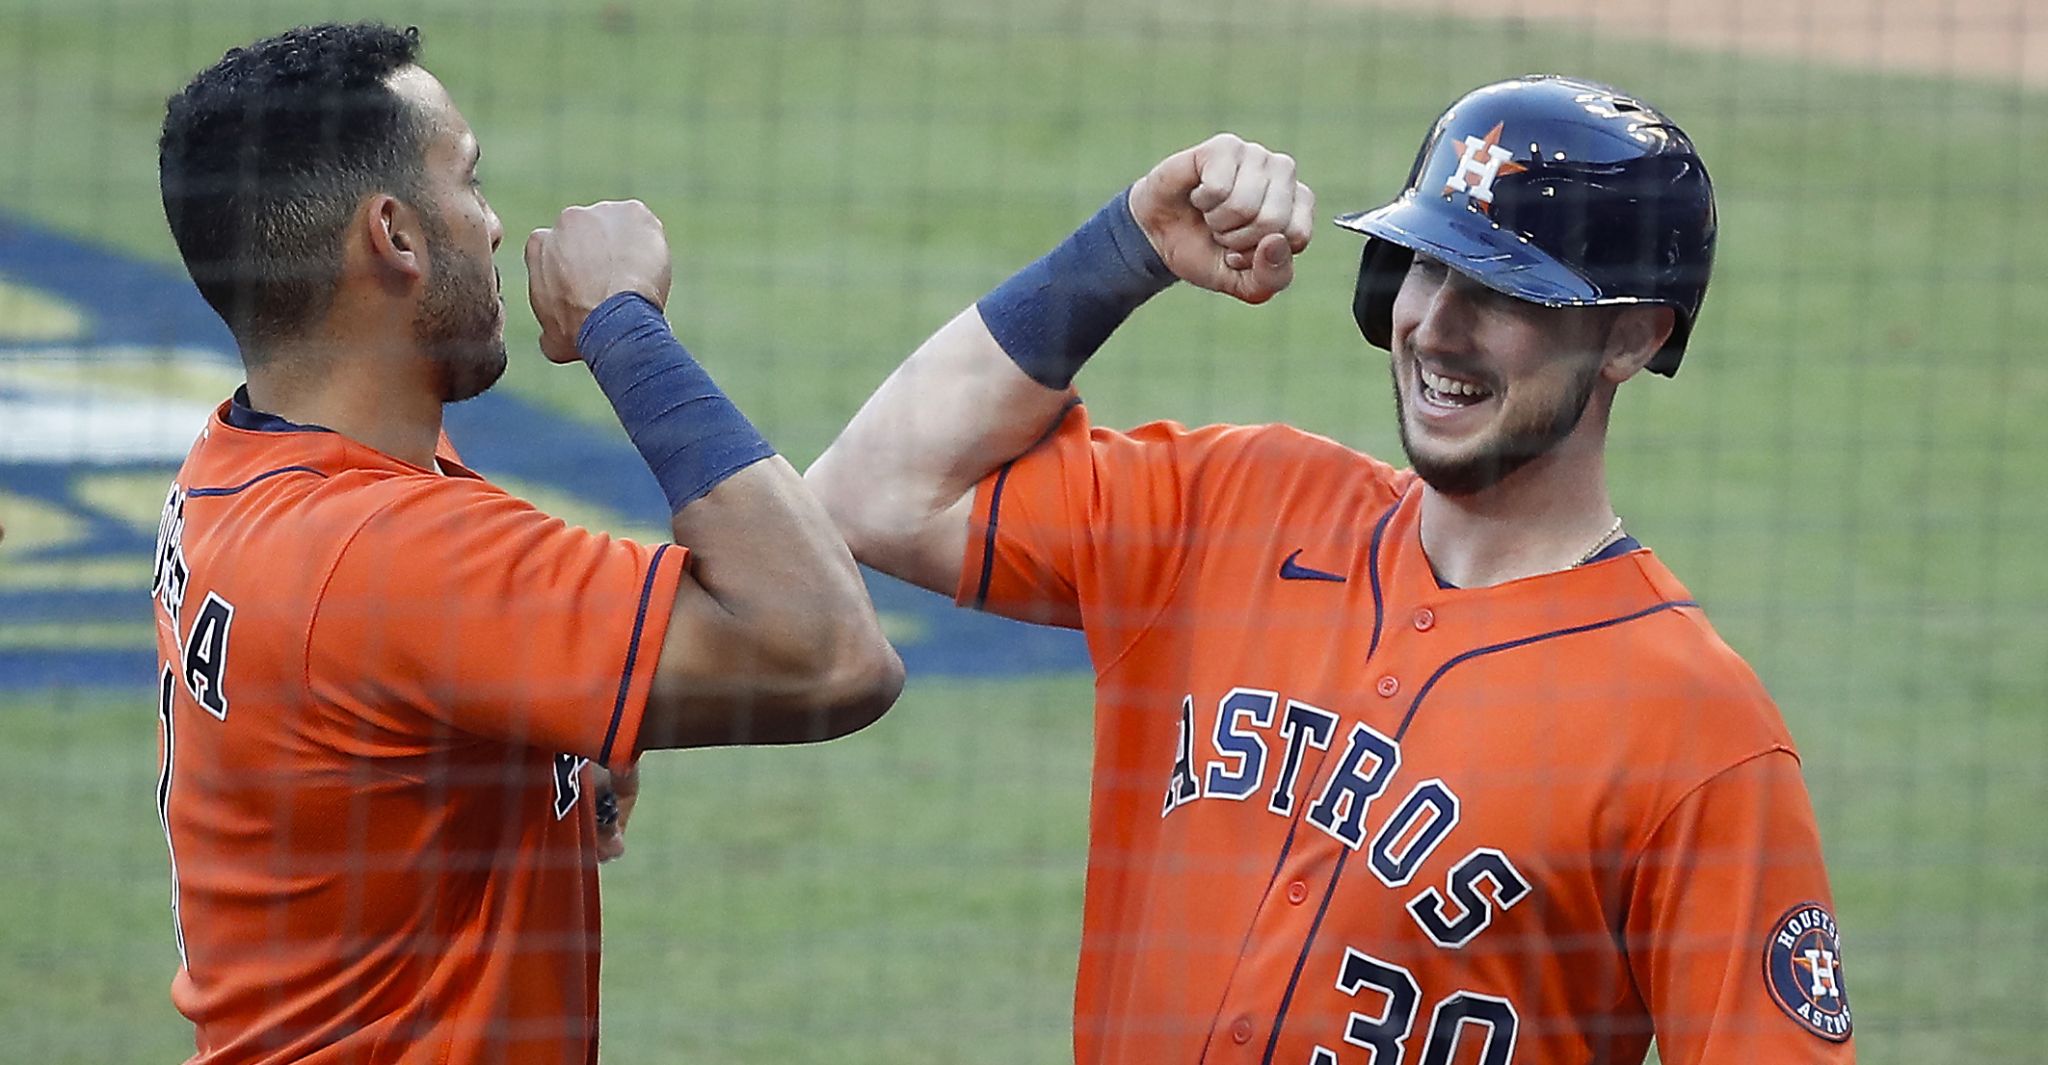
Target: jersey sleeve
[[1730, 929], [1092, 527], [456, 606]]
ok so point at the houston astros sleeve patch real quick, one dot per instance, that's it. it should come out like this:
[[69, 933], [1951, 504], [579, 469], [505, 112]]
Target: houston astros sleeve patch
[[1803, 970]]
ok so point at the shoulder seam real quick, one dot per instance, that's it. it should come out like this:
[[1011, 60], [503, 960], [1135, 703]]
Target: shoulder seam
[[1138, 635], [320, 597], [212, 491], [1180, 572], [1159, 611], [1664, 818]]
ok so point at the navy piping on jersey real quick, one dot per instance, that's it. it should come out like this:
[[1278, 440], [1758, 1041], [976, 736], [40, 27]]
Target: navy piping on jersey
[[611, 732], [242, 416], [202, 493], [988, 542], [1423, 692], [1285, 845], [1614, 550], [1378, 616], [1372, 568], [1287, 999], [1337, 874], [995, 502]]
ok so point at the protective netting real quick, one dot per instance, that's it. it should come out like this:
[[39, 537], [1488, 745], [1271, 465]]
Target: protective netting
[[1850, 473]]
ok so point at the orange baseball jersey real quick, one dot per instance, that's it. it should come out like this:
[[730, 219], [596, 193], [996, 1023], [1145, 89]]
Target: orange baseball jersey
[[379, 689], [1343, 814]]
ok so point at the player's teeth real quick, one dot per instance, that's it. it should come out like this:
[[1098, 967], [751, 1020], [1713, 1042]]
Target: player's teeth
[[1450, 386]]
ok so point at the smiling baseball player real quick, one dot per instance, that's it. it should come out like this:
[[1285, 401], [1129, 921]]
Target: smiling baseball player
[[1430, 765]]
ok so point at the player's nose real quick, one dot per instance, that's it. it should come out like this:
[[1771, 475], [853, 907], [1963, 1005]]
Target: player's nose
[[496, 228], [1446, 321]]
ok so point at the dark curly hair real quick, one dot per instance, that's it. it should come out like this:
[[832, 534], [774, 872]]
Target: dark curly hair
[[265, 156]]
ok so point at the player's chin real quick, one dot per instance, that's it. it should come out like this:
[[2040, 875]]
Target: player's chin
[[1454, 464], [474, 375], [1462, 473]]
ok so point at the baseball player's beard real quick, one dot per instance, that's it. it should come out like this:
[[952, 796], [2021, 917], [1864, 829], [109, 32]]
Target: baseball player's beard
[[1521, 439], [459, 325]]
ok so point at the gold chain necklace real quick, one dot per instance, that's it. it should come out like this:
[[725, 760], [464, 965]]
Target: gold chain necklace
[[1605, 539]]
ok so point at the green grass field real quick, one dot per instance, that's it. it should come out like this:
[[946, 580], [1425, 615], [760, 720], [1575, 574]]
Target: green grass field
[[1851, 472]]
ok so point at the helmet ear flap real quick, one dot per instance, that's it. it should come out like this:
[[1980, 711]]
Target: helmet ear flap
[[1666, 360], [1381, 268], [1552, 190]]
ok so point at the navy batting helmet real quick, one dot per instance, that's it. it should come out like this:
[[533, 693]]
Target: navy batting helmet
[[1554, 190]]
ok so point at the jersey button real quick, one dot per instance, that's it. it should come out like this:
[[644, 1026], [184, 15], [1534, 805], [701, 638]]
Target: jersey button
[[1425, 619], [1297, 892], [1241, 1031], [1388, 686]]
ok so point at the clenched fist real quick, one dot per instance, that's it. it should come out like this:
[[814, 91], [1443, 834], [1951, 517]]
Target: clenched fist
[[592, 254], [1228, 215], [616, 790]]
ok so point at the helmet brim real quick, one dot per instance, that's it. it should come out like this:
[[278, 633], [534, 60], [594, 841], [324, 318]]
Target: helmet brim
[[1468, 242], [1472, 244]]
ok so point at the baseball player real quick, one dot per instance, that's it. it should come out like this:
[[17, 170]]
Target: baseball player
[[1423, 765], [384, 680]]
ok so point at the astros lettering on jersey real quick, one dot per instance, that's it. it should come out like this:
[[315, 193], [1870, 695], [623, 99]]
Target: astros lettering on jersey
[[379, 687], [1344, 814]]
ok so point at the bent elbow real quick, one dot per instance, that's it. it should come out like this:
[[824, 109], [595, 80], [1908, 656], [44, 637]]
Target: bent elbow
[[830, 688], [862, 684]]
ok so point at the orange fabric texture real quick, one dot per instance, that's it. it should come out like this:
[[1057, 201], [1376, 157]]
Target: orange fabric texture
[[380, 689], [1343, 814]]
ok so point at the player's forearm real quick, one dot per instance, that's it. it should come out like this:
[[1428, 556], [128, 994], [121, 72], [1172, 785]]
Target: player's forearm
[[978, 394], [956, 410], [773, 638], [783, 643]]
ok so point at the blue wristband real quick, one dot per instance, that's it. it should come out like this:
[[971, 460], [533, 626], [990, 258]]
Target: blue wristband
[[689, 433], [1052, 315]]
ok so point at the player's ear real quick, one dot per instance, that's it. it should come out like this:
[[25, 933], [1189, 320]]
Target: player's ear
[[1633, 338], [394, 237]]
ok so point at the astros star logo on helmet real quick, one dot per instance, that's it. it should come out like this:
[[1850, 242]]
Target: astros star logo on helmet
[[1481, 162]]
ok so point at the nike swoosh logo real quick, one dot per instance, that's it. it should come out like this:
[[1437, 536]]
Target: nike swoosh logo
[[1291, 570]]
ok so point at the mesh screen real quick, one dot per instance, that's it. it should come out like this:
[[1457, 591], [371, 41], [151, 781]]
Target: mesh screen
[[1849, 473]]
